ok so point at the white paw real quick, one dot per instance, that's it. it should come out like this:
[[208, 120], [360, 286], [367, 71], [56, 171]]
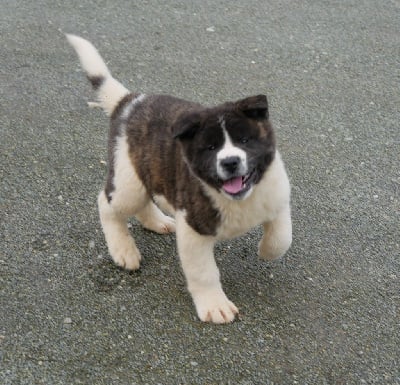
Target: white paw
[[215, 307], [162, 224], [126, 254], [271, 248]]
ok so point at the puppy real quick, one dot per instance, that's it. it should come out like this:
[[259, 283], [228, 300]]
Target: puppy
[[215, 169]]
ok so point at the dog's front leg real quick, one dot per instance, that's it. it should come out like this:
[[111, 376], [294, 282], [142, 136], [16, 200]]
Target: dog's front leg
[[277, 236], [196, 253]]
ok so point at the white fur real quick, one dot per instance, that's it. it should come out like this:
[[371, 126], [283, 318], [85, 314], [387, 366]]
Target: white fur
[[202, 274], [152, 218], [111, 91], [162, 202], [114, 214], [129, 195], [121, 245], [230, 150], [277, 236]]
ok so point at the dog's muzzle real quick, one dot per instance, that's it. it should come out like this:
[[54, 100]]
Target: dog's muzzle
[[236, 180]]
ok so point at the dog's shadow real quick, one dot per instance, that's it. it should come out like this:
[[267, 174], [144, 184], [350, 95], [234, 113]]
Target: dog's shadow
[[158, 256]]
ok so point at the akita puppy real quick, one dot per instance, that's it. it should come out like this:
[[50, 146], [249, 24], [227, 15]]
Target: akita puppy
[[216, 170]]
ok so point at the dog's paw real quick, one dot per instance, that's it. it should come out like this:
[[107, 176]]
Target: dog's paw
[[161, 224], [126, 254], [215, 307], [267, 253], [270, 248]]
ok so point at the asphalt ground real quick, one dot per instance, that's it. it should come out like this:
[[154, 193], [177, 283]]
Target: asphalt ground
[[327, 313]]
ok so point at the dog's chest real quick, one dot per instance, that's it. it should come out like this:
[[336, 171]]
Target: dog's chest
[[235, 222]]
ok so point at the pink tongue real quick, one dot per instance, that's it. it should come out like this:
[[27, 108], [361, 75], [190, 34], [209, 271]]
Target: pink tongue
[[233, 186]]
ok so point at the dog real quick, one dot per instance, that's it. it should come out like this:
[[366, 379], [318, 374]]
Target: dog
[[208, 173]]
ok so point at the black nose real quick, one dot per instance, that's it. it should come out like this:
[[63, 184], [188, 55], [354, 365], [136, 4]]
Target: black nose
[[230, 163]]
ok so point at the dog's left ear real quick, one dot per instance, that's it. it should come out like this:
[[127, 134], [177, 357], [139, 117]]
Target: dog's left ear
[[254, 107], [186, 125]]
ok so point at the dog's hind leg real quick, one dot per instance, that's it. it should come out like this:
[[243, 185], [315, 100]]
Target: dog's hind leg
[[124, 199], [121, 245], [152, 218]]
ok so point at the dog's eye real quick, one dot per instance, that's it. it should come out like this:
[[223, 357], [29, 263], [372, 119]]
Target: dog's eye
[[244, 140], [211, 147]]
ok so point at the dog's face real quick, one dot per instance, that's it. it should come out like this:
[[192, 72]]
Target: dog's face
[[229, 147]]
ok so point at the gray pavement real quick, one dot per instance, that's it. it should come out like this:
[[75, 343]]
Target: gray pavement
[[327, 313]]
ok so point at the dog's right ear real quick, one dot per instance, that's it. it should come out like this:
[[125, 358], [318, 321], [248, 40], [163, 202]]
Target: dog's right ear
[[186, 125]]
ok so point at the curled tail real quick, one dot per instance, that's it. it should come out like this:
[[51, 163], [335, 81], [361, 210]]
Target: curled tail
[[109, 91]]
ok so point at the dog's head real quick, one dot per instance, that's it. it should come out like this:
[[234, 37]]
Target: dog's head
[[230, 146]]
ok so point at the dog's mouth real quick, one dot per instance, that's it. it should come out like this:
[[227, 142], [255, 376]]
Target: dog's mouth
[[236, 187]]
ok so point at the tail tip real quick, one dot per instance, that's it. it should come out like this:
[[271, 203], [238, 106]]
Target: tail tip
[[72, 39]]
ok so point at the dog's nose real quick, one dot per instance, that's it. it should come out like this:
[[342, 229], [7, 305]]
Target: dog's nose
[[230, 163]]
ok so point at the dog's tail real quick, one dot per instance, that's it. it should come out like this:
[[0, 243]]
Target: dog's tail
[[109, 91]]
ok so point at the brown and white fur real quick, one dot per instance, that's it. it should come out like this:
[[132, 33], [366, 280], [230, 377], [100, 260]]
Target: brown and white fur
[[216, 170]]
